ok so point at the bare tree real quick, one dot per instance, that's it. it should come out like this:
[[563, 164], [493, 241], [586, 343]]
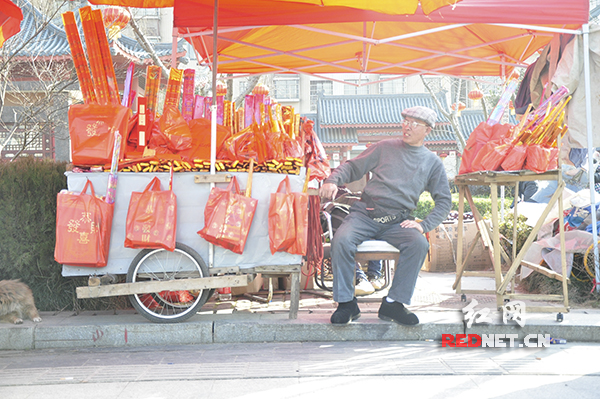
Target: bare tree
[[34, 87], [450, 114]]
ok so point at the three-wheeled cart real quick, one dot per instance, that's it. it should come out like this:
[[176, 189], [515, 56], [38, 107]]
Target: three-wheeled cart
[[169, 286]]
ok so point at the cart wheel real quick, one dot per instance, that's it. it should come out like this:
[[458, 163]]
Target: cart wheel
[[163, 265], [463, 298], [559, 317]]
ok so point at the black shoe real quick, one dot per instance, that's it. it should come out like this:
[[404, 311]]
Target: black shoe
[[346, 312], [395, 311]]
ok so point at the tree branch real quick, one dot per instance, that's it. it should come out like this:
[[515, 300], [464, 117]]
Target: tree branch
[[146, 45]]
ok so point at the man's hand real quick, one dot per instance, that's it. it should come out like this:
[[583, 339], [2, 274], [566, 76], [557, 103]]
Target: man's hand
[[412, 224], [328, 191]]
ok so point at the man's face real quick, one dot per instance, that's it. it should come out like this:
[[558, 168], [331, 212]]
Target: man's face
[[414, 131]]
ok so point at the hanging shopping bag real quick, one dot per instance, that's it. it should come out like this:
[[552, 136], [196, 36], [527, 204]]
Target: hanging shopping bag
[[300, 244], [92, 131], [83, 227], [228, 216], [282, 223], [152, 218]]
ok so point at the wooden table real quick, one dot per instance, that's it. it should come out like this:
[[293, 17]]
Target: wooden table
[[491, 239]]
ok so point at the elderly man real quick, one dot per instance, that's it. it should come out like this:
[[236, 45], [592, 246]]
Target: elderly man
[[401, 170]]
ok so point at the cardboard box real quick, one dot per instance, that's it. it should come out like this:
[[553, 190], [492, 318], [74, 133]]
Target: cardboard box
[[443, 241], [253, 287]]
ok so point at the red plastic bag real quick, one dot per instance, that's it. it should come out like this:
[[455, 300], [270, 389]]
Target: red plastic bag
[[228, 216], [240, 146], [171, 131], [282, 223], [515, 159], [152, 218], [538, 158], [92, 131], [315, 155], [491, 155], [200, 149], [83, 227], [482, 135]]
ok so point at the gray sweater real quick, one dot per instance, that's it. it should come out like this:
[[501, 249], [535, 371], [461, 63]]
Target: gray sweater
[[400, 174]]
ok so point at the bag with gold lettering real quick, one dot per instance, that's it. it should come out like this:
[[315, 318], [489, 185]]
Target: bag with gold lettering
[[152, 218], [83, 227], [92, 130], [228, 216]]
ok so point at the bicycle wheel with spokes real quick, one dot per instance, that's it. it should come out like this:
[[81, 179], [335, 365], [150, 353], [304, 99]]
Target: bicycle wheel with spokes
[[588, 261], [162, 265]]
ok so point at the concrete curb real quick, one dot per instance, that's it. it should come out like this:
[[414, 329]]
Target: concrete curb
[[132, 330]]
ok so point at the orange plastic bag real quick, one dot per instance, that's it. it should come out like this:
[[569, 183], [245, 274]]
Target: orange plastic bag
[[152, 218], [83, 227], [92, 131], [491, 155], [515, 159], [282, 223], [200, 149], [482, 135], [240, 146], [228, 216], [538, 158], [171, 131]]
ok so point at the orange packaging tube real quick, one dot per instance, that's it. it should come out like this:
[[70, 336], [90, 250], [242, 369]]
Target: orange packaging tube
[[153, 74], [94, 55], [111, 78], [79, 60], [174, 88]]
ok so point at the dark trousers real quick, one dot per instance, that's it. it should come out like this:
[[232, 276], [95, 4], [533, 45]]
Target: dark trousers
[[358, 227]]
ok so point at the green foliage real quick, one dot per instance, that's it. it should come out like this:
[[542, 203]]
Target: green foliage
[[506, 229], [28, 189], [483, 205]]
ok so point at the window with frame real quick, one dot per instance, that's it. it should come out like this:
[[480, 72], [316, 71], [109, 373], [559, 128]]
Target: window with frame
[[396, 86], [287, 87], [350, 89], [317, 87]]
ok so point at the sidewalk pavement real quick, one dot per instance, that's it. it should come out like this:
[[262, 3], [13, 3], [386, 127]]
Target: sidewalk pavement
[[246, 319]]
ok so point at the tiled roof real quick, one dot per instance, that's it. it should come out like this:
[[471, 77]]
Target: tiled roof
[[382, 110], [52, 42]]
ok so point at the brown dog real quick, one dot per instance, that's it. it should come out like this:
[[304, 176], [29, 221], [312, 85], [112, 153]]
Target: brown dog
[[16, 302]]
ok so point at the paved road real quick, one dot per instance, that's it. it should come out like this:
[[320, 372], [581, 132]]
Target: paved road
[[289, 370]]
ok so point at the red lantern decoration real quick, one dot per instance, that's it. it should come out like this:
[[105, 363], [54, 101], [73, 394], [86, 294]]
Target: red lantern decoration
[[221, 88], [115, 19], [475, 94], [260, 89]]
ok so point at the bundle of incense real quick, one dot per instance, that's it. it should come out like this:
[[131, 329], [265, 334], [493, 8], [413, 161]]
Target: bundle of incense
[[174, 88], [239, 125], [248, 111], [187, 108], [128, 79], [498, 111], [111, 190], [228, 114], [198, 107], [545, 127], [153, 73], [81, 66], [111, 78], [220, 110], [297, 125], [94, 55]]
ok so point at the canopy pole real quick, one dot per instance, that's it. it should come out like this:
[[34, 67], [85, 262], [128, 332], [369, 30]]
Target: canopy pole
[[588, 121], [213, 117]]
